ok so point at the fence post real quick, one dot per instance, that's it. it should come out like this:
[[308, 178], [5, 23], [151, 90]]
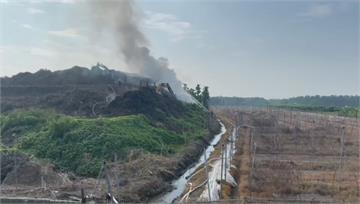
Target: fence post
[[207, 175], [225, 166], [222, 164]]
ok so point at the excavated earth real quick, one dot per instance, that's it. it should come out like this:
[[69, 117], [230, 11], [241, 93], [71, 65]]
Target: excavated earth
[[91, 93]]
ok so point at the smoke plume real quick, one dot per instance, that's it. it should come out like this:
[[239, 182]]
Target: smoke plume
[[120, 20]]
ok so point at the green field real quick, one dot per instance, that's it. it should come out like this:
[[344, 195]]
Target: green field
[[339, 111]]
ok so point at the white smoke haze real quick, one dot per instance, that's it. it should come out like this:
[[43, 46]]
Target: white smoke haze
[[120, 19]]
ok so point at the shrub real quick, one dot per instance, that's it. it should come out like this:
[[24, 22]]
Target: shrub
[[81, 145]]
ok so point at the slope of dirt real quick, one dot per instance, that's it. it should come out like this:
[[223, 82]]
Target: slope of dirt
[[96, 93], [75, 91], [146, 101]]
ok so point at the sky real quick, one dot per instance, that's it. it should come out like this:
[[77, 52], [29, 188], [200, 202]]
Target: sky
[[261, 48]]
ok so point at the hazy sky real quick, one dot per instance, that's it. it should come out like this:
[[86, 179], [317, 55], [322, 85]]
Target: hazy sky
[[238, 48]]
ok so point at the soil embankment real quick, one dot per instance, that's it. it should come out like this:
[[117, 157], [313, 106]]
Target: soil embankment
[[146, 136], [197, 184], [139, 179]]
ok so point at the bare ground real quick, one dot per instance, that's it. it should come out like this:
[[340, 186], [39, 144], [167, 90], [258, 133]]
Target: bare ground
[[292, 157]]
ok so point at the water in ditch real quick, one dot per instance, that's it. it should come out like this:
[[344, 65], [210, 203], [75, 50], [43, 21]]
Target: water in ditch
[[180, 183]]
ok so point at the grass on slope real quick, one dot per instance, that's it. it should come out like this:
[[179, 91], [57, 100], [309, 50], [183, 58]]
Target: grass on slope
[[81, 145]]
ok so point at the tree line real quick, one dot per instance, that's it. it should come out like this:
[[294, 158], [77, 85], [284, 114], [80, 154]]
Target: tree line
[[312, 101], [200, 94], [325, 101]]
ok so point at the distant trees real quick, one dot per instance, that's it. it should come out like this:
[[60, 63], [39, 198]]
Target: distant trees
[[325, 101], [238, 101], [309, 101], [201, 95]]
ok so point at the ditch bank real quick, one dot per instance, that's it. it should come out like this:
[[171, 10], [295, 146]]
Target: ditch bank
[[162, 178], [203, 181], [138, 179], [179, 185]]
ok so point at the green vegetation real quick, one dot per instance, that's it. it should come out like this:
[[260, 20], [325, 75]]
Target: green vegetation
[[5, 150], [319, 101], [238, 101], [347, 106], [340, 111], [307, 101], [81, 145], [203, 96]]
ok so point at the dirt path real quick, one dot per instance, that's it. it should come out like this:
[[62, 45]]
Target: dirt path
[[244, 157]]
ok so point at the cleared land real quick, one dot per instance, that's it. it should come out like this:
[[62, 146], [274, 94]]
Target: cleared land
[[294, 157]]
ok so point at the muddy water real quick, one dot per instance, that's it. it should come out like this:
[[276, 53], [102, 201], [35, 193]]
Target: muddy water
[[180, 184]]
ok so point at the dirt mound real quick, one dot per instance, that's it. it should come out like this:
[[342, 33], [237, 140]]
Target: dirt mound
[[9, 160], [19, 169], [146, 101], [98, 74], [102, 92], [75, 91]]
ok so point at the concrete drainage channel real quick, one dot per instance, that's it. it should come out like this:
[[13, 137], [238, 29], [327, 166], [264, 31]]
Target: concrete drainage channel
[[180, 183]]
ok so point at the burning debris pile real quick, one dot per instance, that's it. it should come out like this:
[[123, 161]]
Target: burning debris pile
[[148, 111], [139, 115], [119, 19], [81, 91]]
